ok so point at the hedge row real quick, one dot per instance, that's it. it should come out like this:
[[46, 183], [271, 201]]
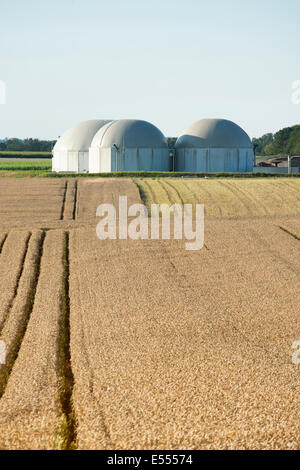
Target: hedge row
[[12, 154], [157, 174], [34, 171]]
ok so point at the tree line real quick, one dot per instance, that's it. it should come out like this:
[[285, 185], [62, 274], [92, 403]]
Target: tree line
[[286, 141], [36, 145], [27, 145]]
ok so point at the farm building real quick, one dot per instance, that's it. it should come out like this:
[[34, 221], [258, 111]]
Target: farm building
[[214, 145], [129, 145], [71, 151], [292, 160]]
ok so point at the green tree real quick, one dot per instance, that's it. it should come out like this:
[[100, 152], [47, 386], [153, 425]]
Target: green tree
[[260, 143], [29, 145]]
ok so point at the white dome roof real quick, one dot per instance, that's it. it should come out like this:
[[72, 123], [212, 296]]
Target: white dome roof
[[214, 133], [79, 137], [129, 133]]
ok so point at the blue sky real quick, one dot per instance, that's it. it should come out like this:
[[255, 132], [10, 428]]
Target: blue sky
[[168, 62]]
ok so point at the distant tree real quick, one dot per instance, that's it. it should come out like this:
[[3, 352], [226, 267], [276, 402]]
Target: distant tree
[[285, 141], [260, 143], [293, 145], [33, 144], [171, 141], [29, 145], [269, 150], [15, 144]]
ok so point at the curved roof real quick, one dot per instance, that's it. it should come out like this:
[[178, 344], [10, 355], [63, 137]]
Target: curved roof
[[129, 133], [214, 133], [80, 136]]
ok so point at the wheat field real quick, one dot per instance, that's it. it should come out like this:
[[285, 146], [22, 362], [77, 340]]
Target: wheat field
[[226, 197], [140, 344]]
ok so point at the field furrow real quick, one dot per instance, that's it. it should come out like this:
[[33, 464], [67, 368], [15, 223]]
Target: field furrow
[[188, 195], [166, 191], [76, 201], [13, 329], [69, 200], [238, 195], [147, 193], [288, 197], [11, 267], [213, 205], [62, 213], [31, 412], [20, 273], [177, 197], [271, 200], [257, 205], [3, 237]]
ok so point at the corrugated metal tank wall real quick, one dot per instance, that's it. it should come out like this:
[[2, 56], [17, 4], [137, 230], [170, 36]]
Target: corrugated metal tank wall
[[67, 161], [129, 159], [140, 159], [213, 160], [59, 161], [99, 160]]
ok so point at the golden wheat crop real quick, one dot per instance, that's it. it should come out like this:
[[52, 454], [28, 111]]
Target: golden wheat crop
[[11, 264], [31, 416], [28, 201], [92, 192], [15, 311], [123, 344], [174, 349], [227, 197]]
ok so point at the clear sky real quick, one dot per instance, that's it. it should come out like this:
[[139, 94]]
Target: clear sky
[[170, 62]]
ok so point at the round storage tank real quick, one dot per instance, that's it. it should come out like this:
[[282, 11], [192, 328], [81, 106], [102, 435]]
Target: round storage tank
[[129, 145], [214, 145], [71, 151]]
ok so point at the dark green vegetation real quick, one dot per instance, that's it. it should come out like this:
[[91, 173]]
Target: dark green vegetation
[[260, 143], [11, 172], [36, 145], [171, 142], [286, 141], [25, 155], [156, 174], [29, 145]]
